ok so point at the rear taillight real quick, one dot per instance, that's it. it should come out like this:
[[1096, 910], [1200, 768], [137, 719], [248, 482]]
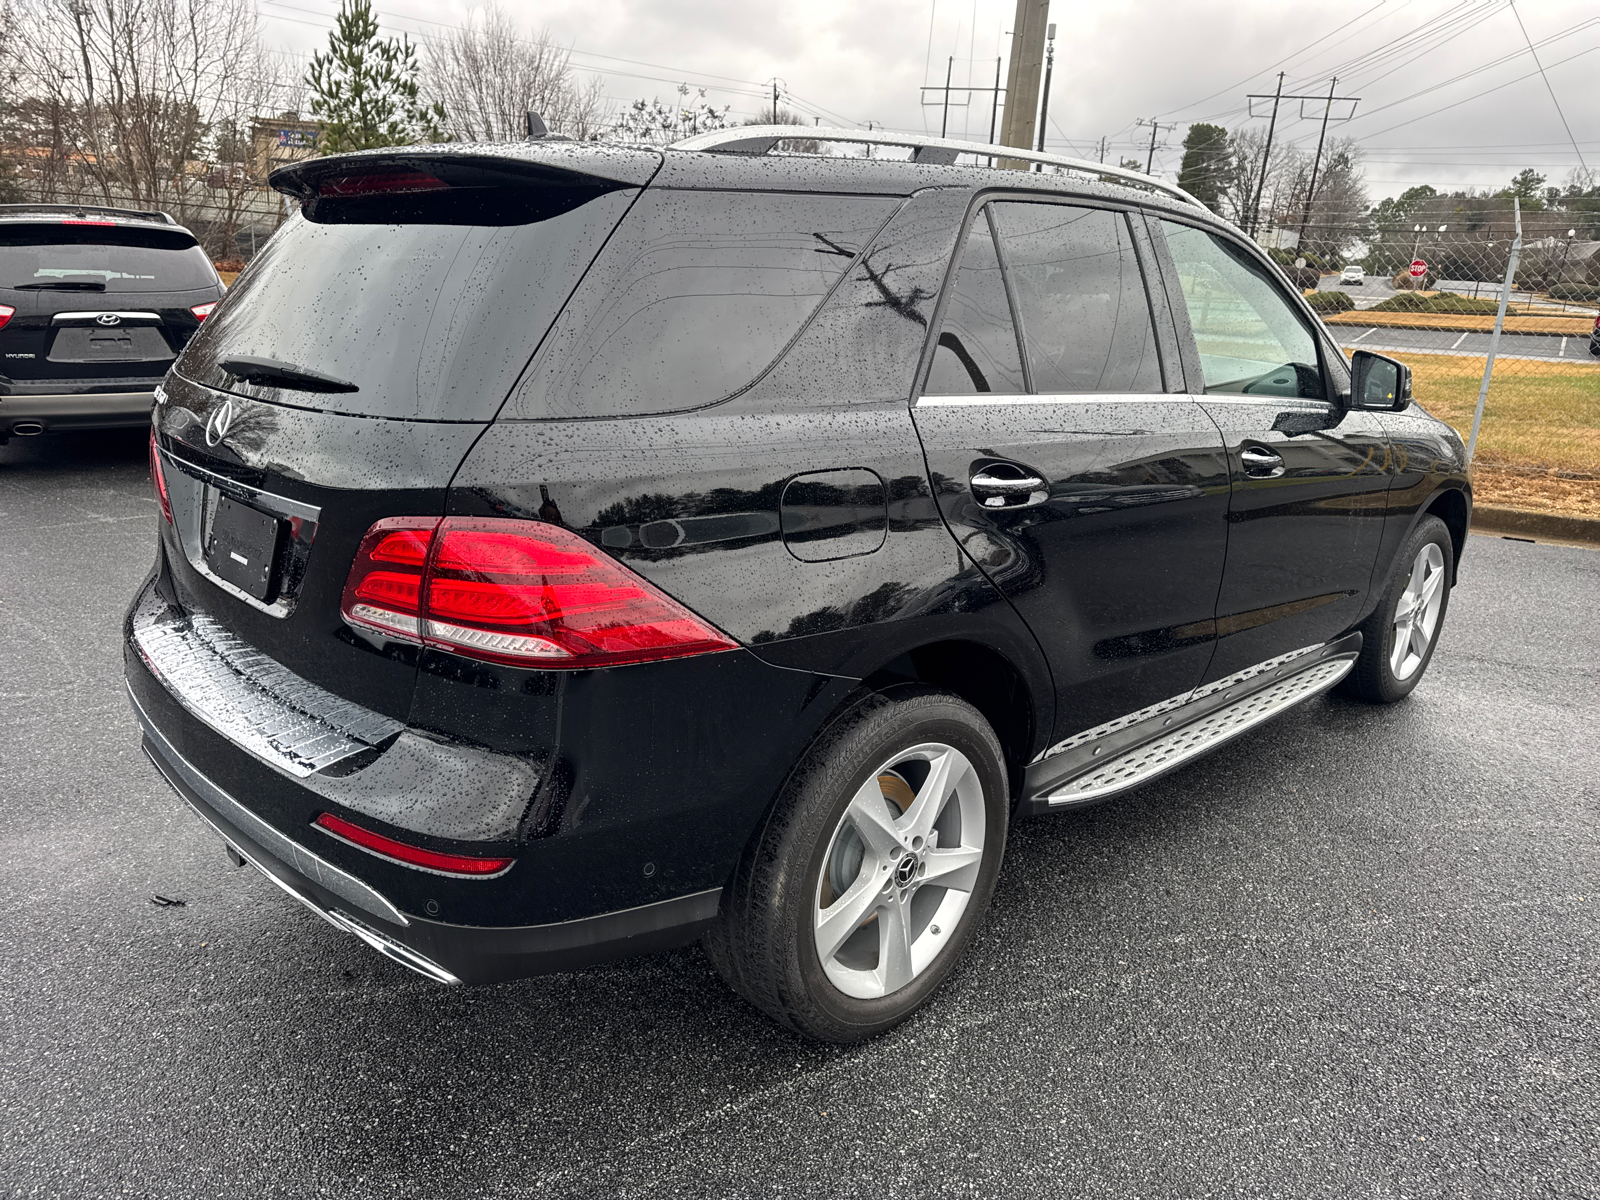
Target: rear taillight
[[110, 224], [159, 479], [412, 856], [6, 313], [202, 311], [524, 593]]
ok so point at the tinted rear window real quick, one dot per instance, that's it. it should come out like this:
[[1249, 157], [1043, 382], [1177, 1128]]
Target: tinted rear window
[[429, 321], [122, 260], [695, 297]]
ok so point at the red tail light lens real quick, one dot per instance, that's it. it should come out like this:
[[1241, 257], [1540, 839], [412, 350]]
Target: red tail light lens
[[159, 479], [202, 311], [6, 313], [111, 224], [412, 856], [384, 589], [525, 593]]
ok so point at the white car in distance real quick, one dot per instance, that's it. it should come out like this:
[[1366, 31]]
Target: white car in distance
[[1353, 274]]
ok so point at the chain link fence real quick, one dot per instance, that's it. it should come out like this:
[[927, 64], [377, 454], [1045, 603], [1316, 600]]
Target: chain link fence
[[1539, 444]]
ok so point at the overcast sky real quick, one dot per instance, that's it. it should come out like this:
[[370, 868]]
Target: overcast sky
[[1178, 61]]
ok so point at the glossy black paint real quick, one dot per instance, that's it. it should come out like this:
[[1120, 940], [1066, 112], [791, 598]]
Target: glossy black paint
[[355, 471], [823, 517]]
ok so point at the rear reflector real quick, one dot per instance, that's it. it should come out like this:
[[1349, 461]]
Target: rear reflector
[[202, 311], [411, 856], [389, 182], [159, 478], [523, 593], [6, 313]]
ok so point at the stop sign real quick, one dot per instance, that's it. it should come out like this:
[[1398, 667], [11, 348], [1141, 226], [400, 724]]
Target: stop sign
[[1418, 268]]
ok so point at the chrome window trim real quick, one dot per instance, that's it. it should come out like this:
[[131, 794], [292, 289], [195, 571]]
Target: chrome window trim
[[996, 398]]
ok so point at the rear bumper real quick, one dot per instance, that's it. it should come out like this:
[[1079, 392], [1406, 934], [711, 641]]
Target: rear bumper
[[94, 410], [443, 952]]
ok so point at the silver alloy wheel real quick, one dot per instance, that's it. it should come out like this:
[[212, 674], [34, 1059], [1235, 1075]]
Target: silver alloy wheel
[[1417, 615], [900, 870]]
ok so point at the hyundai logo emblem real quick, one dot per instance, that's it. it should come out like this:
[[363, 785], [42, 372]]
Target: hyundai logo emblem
[[108, 319], [217, 423]]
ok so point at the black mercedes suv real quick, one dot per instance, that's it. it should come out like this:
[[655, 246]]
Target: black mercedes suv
[[95, 303], [574, 551]]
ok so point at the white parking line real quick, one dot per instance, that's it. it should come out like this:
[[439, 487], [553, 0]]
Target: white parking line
[[1367, 334], [1562, 353], [1459, 340]]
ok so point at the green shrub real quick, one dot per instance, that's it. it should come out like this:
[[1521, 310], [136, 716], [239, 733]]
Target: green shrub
[[1330, 302], [1446, 302], [1402, 302], [1575, 291]]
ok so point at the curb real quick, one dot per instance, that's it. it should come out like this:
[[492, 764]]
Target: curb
[[1489, 518]]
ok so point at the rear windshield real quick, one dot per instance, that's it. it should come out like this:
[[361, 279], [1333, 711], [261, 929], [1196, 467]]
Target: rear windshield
[[99, 258], [696, 296], [425, 319]]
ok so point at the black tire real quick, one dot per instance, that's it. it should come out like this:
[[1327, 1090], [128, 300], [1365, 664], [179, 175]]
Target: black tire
[[764, 943], [1373, 678]]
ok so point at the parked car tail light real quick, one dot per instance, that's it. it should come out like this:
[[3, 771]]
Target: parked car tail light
[[6, 313], [111, 224], [524, 593], [159, 479], [202, 311], [412, 856]]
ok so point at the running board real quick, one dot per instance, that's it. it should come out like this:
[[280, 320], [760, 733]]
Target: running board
[[1136, 753]]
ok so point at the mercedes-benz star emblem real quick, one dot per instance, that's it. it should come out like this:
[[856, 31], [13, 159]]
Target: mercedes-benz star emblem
[[109, 319], [217, 423]]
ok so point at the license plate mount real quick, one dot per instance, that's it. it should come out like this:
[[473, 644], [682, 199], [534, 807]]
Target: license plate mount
[[242, 546]]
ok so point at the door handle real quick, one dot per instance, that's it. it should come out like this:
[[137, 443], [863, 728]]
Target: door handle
[[1006, 485], [1261, 464]]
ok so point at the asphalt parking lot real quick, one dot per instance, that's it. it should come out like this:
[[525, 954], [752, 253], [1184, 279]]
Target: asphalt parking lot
[[1545, 347], [1356, 954]]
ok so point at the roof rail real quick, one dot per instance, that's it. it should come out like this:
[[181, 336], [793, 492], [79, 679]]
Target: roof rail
[[760, 139], [84, 209]]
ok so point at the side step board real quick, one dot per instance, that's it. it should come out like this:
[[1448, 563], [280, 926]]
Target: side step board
[[1124, 754]]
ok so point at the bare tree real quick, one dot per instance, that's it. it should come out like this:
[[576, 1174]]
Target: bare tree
[[122, 101], [489, 76], [653, 122]]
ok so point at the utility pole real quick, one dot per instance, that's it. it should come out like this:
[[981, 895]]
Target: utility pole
[[1049, 68], [944, 121], [1155, 130], [1102, 149], [1261, 185], [1316, 160], [994, 103], [1017, 123]]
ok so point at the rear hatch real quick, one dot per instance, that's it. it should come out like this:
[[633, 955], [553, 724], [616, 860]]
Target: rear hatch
[[350, 369], [97, 304]]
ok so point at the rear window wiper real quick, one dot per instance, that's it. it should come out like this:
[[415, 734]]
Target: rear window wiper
[[272, 372], [61, 285]]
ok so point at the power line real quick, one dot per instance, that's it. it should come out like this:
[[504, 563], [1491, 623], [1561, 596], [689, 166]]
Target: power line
[[1548, 88]]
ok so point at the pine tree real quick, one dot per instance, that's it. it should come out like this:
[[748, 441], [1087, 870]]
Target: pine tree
[[1207, 159], [364, 88]]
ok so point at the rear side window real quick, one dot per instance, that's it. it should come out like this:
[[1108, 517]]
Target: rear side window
[[101, 258], [977, 346], [694, 298], [1080, 298], [428, 319]]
